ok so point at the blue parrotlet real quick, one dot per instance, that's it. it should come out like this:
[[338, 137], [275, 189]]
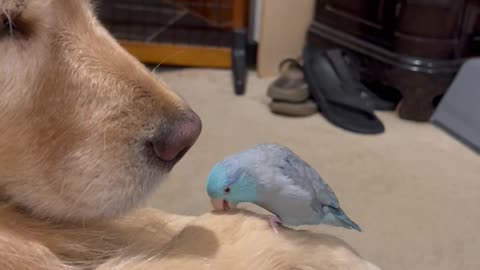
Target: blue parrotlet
[[276, 179]]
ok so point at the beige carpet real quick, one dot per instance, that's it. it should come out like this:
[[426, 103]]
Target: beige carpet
[[414, 190]]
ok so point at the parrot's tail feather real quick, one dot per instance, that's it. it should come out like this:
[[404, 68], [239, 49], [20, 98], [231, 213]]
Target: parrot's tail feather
[[343, 219], [349, 223]]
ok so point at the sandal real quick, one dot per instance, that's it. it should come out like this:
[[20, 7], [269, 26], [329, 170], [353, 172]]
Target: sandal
[[294, 109], [382, 98], [336, 92], [290, 86]]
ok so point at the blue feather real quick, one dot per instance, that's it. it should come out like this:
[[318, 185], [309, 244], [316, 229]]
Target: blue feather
[[243, 187], [343, 219]]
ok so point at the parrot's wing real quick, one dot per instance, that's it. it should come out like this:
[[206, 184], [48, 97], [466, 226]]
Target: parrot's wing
[[304, 176]]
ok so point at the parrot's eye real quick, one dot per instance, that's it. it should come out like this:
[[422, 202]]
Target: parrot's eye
[[227, 190]]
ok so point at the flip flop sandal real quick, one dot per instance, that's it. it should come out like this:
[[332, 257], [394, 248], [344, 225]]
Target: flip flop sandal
[[293, 109], [335, 93], [385, 98], [290, 86], [378, 101]]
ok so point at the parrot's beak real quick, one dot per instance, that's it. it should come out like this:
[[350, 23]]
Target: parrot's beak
[[221, 205]]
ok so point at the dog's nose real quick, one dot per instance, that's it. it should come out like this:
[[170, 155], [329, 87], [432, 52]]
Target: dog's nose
[[183, 133]]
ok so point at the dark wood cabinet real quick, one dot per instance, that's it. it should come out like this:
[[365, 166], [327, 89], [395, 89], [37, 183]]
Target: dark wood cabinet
[[415, 46]]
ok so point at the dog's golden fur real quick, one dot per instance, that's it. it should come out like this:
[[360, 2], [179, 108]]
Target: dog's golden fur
[[75, 108]]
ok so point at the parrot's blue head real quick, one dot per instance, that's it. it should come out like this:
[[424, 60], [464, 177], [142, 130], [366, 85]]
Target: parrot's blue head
[[228, 185]]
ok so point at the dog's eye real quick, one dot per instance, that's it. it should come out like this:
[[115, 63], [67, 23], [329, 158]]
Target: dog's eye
[[227, 190], [7, 26]]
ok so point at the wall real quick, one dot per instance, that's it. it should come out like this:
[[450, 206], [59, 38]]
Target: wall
[[282, 32]]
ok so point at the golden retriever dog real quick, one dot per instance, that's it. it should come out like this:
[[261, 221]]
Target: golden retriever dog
[[86, 133]]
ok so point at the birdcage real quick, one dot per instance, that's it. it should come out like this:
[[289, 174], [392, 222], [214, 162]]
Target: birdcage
[[205, 33]]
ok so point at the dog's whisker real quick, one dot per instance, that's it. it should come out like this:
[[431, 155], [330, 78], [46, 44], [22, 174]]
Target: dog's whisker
[[104, 196], [62, 187], [84, 192], [167, 58], [105, 141], [155, 68]]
